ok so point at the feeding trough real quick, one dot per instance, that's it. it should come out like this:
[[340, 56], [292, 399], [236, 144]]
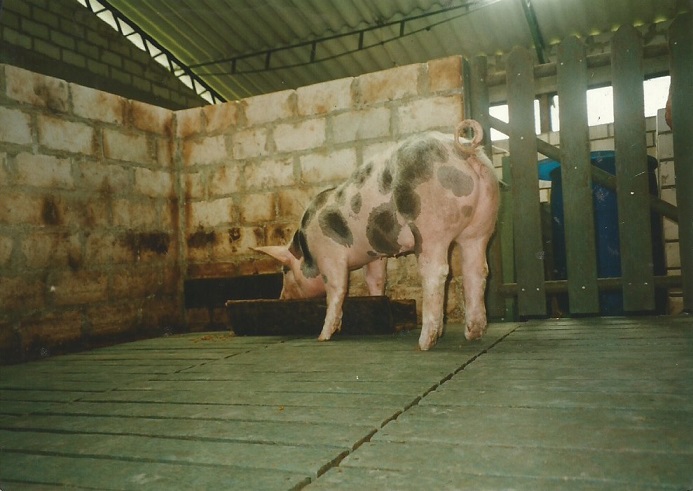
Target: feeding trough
[[304, 317]]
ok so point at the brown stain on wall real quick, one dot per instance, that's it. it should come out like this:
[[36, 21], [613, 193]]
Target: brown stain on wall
[[53, 101], [139, 242], [201, 239], [50, 211]]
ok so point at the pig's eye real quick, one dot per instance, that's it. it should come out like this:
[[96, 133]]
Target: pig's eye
[[285, 269]]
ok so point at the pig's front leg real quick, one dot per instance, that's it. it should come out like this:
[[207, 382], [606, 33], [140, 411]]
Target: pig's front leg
[[474, 273], [375, 274], [433, 266], [336, 283]]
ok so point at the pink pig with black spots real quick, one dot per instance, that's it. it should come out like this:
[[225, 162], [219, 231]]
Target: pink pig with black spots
[[429, 191]]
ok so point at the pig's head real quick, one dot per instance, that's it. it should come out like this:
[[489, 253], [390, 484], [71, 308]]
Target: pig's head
[[301, 277]]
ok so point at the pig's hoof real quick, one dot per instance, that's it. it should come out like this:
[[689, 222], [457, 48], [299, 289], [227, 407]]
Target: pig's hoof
[[324, 337], [427, 342], [474, 331]]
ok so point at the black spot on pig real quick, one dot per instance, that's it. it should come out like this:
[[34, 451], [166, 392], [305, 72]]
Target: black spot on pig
[[299, 248], [334, 225], [50, 211], [201, 239], [414, 162], [356, 203], [315, 206], [359, 177], [383, 230], [457, 181], [385, 181]]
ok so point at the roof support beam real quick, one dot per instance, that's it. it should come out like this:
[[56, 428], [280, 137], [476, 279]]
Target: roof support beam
[[533, 25]]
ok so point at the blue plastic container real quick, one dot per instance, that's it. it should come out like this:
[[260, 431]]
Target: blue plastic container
[[608, 245]]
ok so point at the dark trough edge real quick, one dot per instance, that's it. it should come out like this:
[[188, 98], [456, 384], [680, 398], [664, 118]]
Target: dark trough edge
[[338, 460]]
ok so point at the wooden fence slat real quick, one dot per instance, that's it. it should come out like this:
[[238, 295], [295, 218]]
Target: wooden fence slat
[[578, 208], [681, 48], [632, 175], [529, 251]]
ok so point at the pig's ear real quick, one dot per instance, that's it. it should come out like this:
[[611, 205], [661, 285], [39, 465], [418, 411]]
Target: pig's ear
[[280, 253]]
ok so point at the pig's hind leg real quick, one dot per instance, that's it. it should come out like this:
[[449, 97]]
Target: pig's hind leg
[[474, 273], [375, 274], [433, 267]]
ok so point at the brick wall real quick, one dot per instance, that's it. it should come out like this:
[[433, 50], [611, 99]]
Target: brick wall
[[249, 168], [63, 39], [88, 217]]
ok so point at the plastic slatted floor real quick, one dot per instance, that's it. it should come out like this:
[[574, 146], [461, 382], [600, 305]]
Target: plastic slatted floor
[[603, 403]]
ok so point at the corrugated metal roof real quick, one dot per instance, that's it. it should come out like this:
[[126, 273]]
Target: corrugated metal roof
[[247, 47]]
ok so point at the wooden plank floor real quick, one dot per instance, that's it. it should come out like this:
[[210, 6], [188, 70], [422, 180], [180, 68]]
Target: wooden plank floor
[[603, 403]]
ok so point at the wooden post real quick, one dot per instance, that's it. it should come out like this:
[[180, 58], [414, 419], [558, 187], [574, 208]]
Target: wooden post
[[578, 209], [681, 48], [529, 251], [633, 194]]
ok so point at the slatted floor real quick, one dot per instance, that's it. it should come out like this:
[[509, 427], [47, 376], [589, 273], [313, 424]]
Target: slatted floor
[[586, 404]]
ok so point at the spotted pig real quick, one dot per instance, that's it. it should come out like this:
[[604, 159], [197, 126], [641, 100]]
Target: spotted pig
[[427, 192]]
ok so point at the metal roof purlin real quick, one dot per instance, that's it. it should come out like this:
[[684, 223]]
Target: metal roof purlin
[[467, 7], [173, 64]]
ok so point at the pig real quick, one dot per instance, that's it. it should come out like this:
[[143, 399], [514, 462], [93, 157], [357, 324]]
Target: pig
[[419, 197]]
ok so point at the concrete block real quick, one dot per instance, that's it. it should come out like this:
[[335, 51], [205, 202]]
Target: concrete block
[[210, 214], [426, 114], [153, 183], [6, 248], [73, 58], [113, 320], [52, 250], [361, 125], [220, 117], [21, 293], [49, 330], [85, 212], [669, 195], [257, 208], [135, 214], [103, 248], [15, 126], [268, 174], [236, 240], [225, 180], [128, 147], [250, 143], [44, 171], [672, 252], [388, 85], [371, 151], [300, 136], [21, 208], [188, 122], [194, 185], [292, 202], [135, 283], [445, 74], [671, 230], [103, 177], [605, 144], [322, 167], [69, 136], [279, 233], [164, 152], [36, 90], [46, 48], [211, 150], [268, 108], [97, 105], [325, 97], [150, 118], [665, 146]]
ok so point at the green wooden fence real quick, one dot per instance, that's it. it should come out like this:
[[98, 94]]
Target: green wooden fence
[[518, 284]]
